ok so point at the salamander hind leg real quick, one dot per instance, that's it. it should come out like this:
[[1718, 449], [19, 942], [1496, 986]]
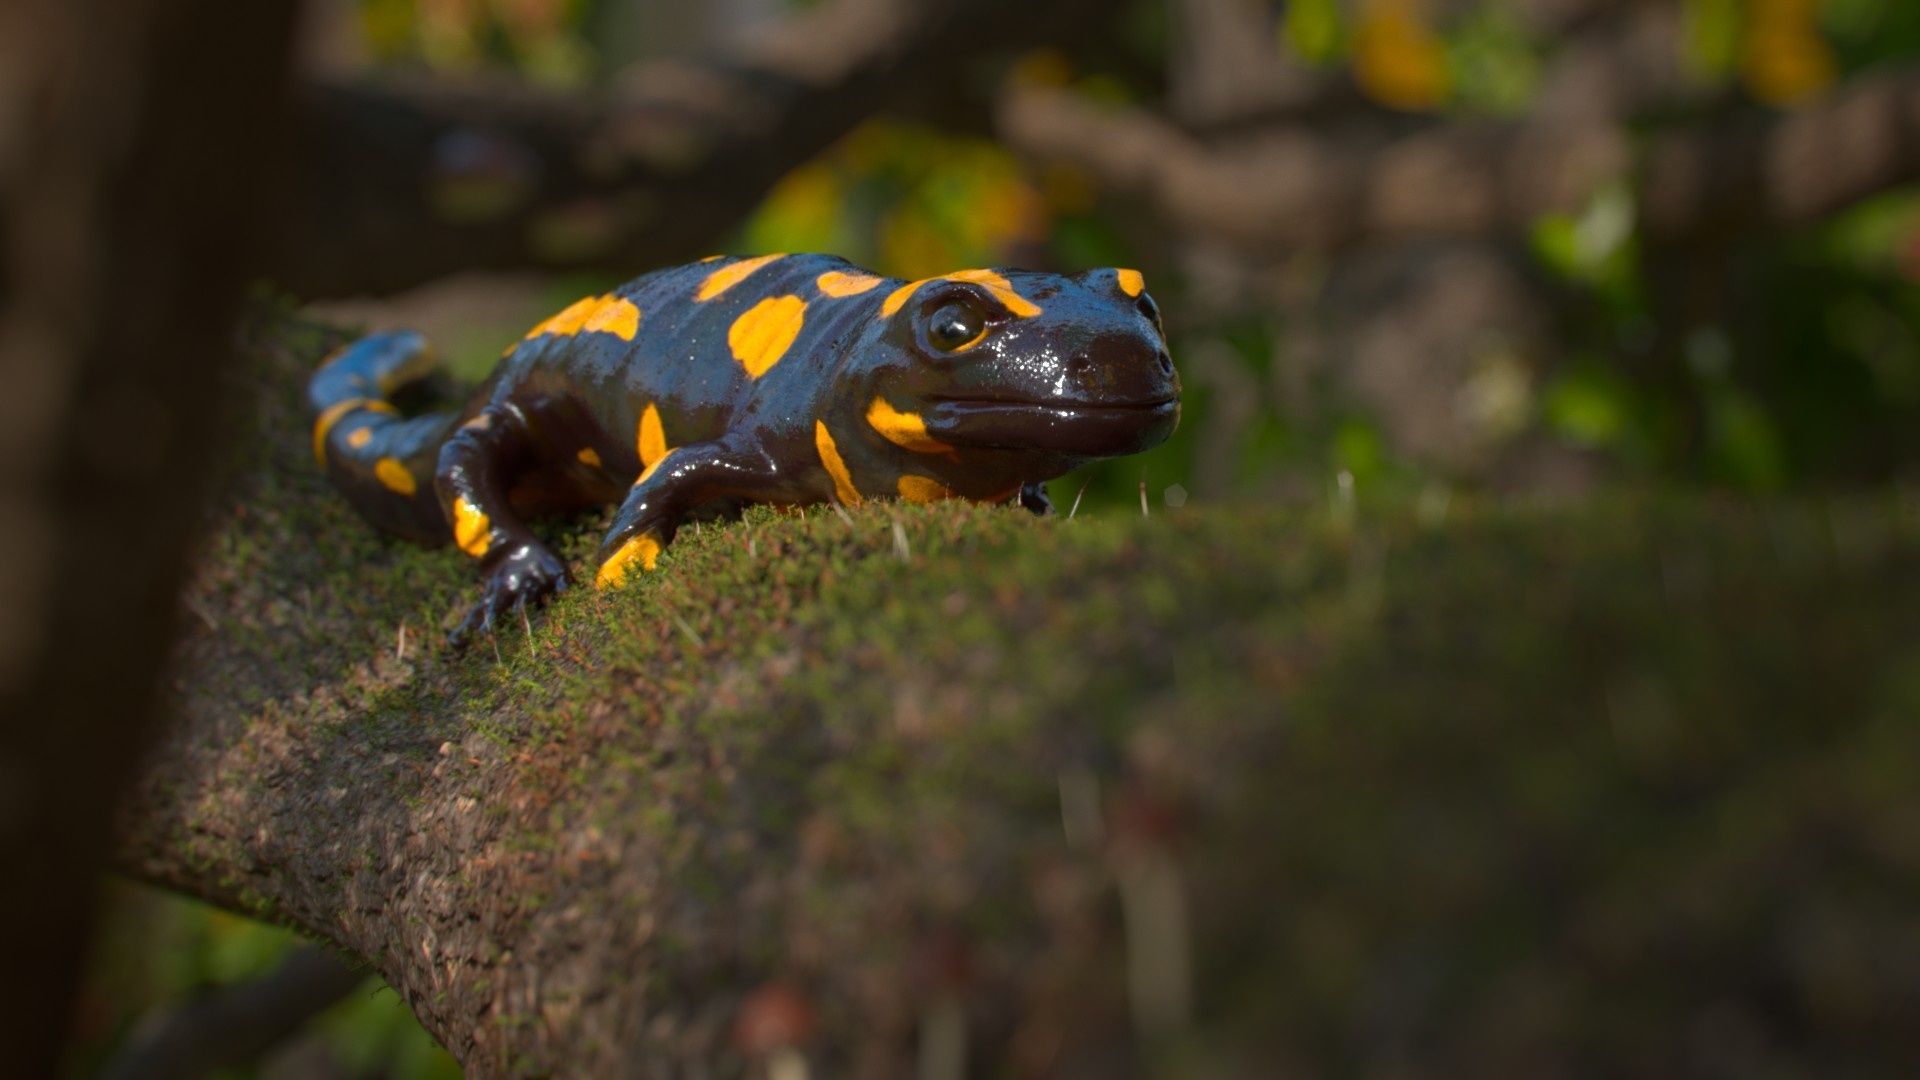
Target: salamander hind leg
[[478, 466], [668, 491]]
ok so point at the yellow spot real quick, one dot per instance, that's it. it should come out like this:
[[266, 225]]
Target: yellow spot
[[652, 443], [569, 320], [653, 468], [830, 457], [763, 333], [642, 549], [325, 424], [730, 275], [1131, 282], [839, 283], [360, 437], [898, 297], [333, 415], [588, 456], [713, 258], [472, 529], [395, 476], [924, 489], [595, 314], [906, 430], [1001, 289], [617, 317]]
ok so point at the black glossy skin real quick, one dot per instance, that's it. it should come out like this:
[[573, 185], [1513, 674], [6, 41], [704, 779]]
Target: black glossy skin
[[1063, 370]]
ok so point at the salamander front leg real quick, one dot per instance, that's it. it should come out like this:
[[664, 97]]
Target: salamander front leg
[[672, 488], [1034, 498], [478, 465]]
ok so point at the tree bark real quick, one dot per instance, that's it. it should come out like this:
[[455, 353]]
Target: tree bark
[[957, 786], [133, 142], [1286, 187]]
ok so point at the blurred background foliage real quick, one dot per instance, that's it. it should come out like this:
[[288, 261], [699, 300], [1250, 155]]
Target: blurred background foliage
[[157, 951], [1802, 376], [1797, 367]]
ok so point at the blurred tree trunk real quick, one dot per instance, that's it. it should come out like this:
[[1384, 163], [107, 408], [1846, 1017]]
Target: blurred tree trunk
[[132, 141]]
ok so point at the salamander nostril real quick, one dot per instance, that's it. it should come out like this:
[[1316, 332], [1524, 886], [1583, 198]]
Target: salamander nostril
[[1166, 363]]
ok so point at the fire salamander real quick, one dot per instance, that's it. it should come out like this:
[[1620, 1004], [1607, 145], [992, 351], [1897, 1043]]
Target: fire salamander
[[783, 379]]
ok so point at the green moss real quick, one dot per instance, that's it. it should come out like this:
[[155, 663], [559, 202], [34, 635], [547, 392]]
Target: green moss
[[1452, 793]]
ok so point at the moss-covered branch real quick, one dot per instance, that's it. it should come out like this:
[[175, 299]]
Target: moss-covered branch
[[1618, 790]]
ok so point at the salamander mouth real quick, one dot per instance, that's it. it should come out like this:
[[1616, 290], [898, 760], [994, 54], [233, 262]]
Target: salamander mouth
[[1085, 430]]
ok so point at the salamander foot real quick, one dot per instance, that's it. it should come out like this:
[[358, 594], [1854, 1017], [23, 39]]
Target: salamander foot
[[525, 576]]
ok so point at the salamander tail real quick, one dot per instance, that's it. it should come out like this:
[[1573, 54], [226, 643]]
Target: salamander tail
[[381, 460]]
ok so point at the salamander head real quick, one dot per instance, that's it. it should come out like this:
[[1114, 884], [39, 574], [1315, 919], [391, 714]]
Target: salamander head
[[1071, 367]]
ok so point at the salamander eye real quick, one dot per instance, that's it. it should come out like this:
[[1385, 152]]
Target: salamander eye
[[955, 326]]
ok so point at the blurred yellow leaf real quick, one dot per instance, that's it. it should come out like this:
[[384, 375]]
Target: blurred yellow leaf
[[541, 39], [531, 18], [1398, 59], [907, 200], [1010, 212], [449, 33], [1069, 189], [1785, 59], [387, 26], [1042, 67], [911, 246]]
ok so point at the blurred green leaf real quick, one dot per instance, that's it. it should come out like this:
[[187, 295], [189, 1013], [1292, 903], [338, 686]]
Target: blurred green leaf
[[905, 199], [1084, 240], [1358, 448], [374, 1033], [803, 213], [1743, 442], [1106, 88], [1496, 67], [1712, 41], [1886, 342], [239, 949], [1597, 249], [1267, 447], [1869, 32], [1314, 30], [1555, 244], [1589, 405], [1878, 233]]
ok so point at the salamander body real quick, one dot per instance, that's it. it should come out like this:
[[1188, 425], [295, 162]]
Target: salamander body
[[778, 379]]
